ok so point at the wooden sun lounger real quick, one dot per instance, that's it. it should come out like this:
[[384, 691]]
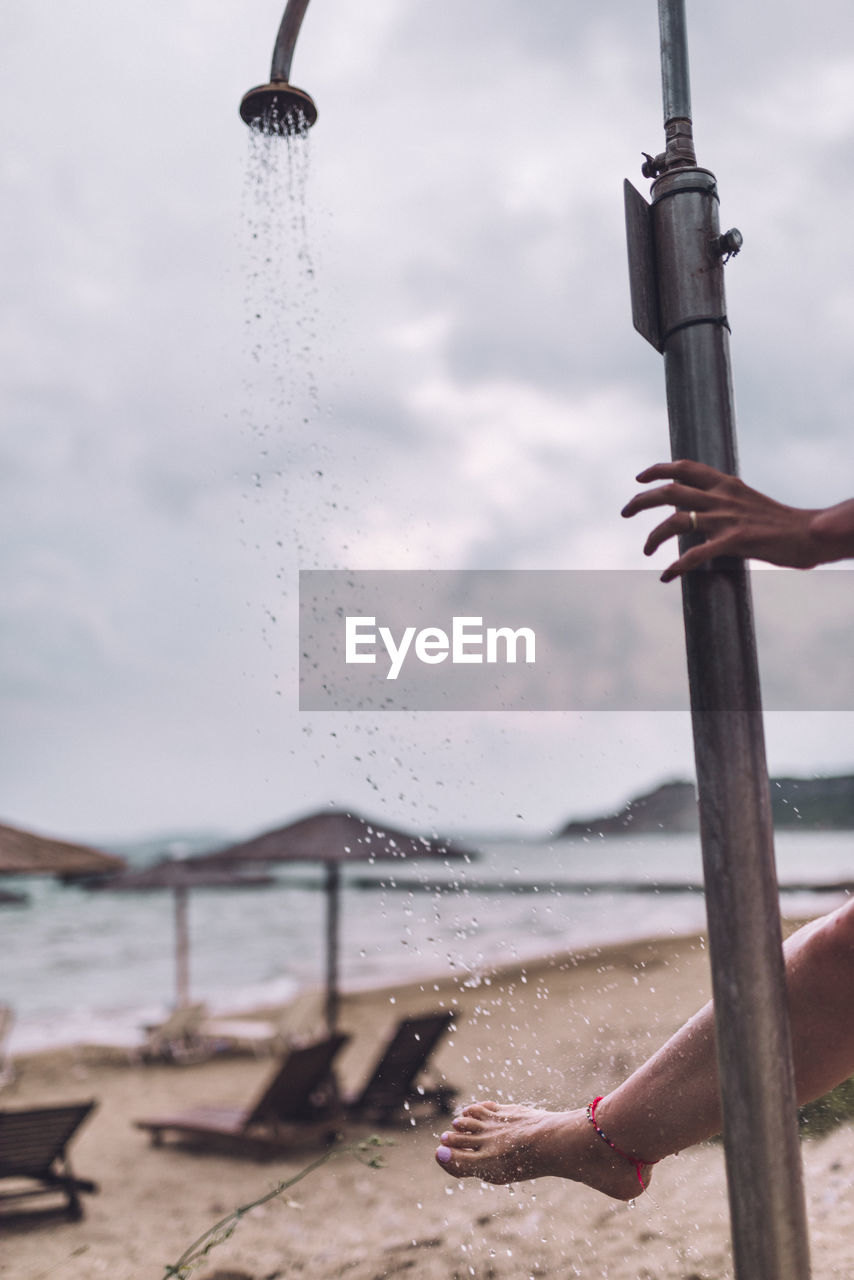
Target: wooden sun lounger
[[33, 1149], [301, 1021], [177, 1038], [299, 1103], [241, 1035], [391, 1093]]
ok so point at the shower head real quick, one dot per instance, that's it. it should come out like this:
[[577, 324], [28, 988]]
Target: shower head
[[278, 107]]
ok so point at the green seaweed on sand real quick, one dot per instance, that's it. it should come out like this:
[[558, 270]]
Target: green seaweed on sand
[[366, 1152], [815, 1119]]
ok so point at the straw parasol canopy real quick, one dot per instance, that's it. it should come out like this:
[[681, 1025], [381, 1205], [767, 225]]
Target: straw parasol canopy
[[181, 875], [333, 837], [27, 854]]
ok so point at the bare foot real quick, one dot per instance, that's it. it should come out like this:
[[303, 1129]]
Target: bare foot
[[512, 1143]]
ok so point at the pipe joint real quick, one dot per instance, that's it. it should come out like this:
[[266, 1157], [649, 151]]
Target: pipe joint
[[679, 144]]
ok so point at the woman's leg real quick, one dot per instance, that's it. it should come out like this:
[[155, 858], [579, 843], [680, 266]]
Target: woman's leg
[[671, 1101]]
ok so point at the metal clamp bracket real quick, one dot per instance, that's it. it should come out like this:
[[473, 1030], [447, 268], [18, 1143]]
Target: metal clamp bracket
[[693, 320]]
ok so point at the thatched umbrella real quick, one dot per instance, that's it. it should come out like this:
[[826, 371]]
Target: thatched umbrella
[[25, 853], [332, 837], [180, 875]]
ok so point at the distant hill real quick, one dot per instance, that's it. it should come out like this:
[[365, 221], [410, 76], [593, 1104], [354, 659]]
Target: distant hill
[[815, 804]]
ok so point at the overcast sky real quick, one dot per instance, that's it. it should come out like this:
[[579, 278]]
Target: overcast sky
[[404, 343]]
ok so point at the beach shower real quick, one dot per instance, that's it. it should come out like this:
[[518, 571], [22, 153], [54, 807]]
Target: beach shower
[[279, 107]]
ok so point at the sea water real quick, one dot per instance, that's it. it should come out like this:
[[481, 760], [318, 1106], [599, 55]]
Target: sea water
[[90, 966]]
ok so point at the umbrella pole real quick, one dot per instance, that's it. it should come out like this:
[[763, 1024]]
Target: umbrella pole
[[687, 322], [182, 949], [333, 902]]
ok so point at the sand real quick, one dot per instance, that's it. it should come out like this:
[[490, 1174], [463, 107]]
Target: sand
[[554, 1032]]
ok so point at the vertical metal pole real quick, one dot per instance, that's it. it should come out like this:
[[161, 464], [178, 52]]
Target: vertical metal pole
[[333, 897], [182, 949], [754, 1052], [675, 78]]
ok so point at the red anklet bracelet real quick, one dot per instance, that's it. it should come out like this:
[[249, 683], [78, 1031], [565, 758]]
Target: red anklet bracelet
[[639, 1165]]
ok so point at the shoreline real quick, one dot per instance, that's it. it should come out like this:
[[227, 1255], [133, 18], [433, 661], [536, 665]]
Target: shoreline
[[460, 975], [412, 990]]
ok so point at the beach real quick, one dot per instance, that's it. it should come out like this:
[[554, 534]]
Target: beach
[[555, 1032]]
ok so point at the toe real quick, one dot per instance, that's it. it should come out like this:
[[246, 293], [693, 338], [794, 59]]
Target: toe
[[459, 1164], [476, 1108], [481, 1111], [460, 1141], [467, 1124]]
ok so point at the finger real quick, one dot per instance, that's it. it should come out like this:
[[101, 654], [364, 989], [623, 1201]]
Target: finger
[[694, 557], [675, 525], [697, 474], [669, 495]]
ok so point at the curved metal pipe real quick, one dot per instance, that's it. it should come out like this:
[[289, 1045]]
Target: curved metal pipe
[[283, 52], [279, 107]]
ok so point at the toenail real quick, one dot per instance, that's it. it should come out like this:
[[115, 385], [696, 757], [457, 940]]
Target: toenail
[[444, 1154], [445, 1137]]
